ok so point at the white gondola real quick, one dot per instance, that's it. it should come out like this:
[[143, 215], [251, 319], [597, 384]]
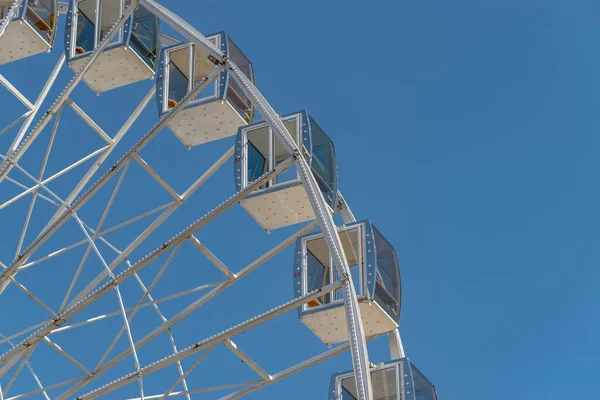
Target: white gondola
[[375, 273], [220, 109], [283, 200], [130, 57], [395, 380], [31, 31]]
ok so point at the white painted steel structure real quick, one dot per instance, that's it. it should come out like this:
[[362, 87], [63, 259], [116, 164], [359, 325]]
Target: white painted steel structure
[[66, 197]]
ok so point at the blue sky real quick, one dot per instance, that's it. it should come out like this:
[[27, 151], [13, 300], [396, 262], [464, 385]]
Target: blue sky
[[465, 130]]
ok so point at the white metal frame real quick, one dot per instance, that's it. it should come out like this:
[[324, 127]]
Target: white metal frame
[[69, 207]]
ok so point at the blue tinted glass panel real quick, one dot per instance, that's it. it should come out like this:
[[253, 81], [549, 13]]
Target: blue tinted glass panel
[[257, 153], [424, 390], [317, 269], [85, 34], [387, 287], [144, 36], [257, 163], [323, 163], [178, 84], [235, 94], [317, 276]]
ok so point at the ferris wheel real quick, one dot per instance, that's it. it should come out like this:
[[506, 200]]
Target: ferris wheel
[[110, 284]]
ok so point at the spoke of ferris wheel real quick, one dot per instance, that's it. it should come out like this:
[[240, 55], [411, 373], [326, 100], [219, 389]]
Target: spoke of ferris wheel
[[293, 370], [32, 296], [356, 333], [6, 83], [169, 331], [156, 223], [210, 295], [53, 254], [202, 390], [146, 291], [157, 177], [189, 370], [67, 355], [126, 326], [247, 360], [127, 273], [98, 227], [138, 306], [115, 313], [6, 367], [95, 127], [198, 303], [89, 239], [5, 339], [41, 183], [127, 320], [15, 122], [218, 263], [141, 383], [36, 107], [105, 232], [213, 340], [18, 370], [43, 389], [25, 361], [101, 234], [74, 214], [136, 361], [91, 242], [27, 355], [94, 168], [63, 213], [29, 294], [179, 366], [22, 142], [135, 219], [23, 186], [40, 177], [37, 381], [163, 318]]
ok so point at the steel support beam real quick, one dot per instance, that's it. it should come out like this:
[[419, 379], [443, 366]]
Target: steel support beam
[[63, 214], [211, 341], [74, 309], [22, 143]]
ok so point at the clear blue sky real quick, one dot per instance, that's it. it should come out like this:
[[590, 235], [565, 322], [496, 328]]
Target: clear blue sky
[[467, 132]]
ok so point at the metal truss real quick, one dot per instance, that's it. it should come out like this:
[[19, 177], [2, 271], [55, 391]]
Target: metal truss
[[116, 270]]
